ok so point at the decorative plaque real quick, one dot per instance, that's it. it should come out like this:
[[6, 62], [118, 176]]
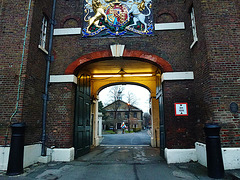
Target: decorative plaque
[[106, 18]]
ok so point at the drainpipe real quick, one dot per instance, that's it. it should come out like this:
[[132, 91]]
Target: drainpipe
[[49, 59]]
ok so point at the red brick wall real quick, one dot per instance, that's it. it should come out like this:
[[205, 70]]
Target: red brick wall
[[60, 122], [181, 131], [216, 65], [13, 20], [173, 46], [12, 25], [35, 74], [170, 45], [214, 60], [198, 55]]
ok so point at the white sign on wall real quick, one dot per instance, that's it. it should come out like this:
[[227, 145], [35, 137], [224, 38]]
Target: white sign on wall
[[181, 109]]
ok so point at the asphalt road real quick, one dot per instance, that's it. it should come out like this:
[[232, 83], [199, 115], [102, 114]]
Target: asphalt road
[[115, 163], [139, 138]]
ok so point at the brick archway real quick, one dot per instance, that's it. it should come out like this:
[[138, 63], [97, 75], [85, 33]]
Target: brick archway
[[165, 66]]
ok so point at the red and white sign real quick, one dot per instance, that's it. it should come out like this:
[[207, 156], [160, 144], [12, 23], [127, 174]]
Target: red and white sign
[[181, 109]]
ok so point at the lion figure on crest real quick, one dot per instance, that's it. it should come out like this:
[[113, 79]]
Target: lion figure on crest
[[98, 9]]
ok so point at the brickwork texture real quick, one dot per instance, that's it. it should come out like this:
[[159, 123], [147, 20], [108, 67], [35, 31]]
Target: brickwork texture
[[214, 59]]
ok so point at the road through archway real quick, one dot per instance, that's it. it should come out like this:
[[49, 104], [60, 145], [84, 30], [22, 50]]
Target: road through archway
[[141, 138]]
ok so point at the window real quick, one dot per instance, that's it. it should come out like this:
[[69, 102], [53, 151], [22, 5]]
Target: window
[[43, 35], [126, 115], [119, 115], [194, 30], [135, 115], [111, 114]]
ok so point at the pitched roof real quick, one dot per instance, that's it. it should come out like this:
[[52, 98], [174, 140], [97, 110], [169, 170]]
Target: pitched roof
[[133, 108]]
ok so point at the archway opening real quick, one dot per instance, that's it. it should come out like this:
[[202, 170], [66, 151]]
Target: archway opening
[[124, 110], [144, 70]]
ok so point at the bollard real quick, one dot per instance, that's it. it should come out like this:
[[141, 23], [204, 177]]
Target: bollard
[[15, 162], [214, 152]]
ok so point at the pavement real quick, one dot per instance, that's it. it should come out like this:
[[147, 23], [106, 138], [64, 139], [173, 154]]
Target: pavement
[[119, 162]]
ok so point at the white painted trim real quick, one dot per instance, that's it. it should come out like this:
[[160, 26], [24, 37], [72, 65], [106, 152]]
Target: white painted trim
[[194, 42], [231, 158], [4, 153], [67, 31], [117, 50], [173, 76], [180, 155], [43, 49], [31, 155], [63, 79], [44, 159], [201, 153], [61, 154], [169, 26]]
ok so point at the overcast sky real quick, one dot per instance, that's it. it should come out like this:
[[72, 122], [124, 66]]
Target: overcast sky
[[142, 96]]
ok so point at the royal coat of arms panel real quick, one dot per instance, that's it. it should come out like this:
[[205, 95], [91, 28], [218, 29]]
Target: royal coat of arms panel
[[109, 18]]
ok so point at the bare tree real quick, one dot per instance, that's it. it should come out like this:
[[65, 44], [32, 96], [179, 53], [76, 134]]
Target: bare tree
[[147, 119], [131, 98], [116, 93]]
